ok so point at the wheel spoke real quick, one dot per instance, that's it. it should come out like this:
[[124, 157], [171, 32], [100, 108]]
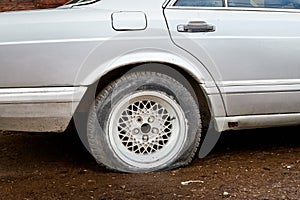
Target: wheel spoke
[[134, 117]]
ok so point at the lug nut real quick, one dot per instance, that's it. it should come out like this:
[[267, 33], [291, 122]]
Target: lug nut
[[139, 119], [136, 131], [145, 138], [155, 130], [151, 119]]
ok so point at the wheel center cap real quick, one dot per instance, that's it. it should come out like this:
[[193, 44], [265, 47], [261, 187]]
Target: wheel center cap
[[146, 128]]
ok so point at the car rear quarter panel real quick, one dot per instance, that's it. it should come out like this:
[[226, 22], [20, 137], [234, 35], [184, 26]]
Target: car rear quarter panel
[[46, 48]]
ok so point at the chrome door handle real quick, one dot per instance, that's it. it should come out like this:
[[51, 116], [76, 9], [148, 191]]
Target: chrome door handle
[[196, 26]]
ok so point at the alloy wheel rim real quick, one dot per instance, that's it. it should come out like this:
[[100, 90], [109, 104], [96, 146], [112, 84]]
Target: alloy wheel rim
[[147, 129]]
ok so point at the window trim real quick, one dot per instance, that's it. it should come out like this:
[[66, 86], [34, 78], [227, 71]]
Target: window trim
[[171, 5]]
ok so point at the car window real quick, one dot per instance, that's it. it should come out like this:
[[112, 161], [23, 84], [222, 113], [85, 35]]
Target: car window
[[200, 3], [81, 1], [292, 4]]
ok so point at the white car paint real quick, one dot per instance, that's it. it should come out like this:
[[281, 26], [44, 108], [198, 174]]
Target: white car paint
[[247, 48], [74, 46]]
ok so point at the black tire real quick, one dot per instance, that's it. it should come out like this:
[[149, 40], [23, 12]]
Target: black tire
[[169, 142]]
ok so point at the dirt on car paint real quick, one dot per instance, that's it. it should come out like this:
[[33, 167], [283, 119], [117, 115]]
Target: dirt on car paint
[[256, 164]]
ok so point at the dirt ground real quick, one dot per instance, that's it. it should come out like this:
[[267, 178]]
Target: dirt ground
[[260, 164]]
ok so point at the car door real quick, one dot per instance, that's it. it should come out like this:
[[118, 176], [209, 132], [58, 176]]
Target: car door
[[251, 48]]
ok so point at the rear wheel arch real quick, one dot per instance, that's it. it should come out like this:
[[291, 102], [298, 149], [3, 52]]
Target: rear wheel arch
[[162, 67], [168, 69]]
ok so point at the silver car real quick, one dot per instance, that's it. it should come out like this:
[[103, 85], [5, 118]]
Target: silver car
[[144, 81]]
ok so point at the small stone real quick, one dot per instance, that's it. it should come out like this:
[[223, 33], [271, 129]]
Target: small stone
[[192, 181], [225, 194]]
